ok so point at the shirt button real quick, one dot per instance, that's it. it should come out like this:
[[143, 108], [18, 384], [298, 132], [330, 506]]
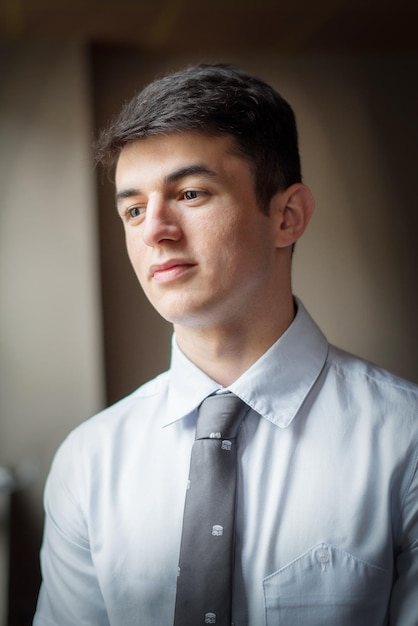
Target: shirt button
[[322, 556]]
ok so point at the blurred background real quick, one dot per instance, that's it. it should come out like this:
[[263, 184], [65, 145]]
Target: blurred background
[[76, 334]]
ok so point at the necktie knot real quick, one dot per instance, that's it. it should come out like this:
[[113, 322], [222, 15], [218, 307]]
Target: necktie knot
[[220, 417]]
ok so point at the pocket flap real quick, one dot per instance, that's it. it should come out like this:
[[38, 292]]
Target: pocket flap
[[327, 585]]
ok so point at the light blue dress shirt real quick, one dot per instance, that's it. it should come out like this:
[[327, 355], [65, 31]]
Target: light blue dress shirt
[[327, 512]]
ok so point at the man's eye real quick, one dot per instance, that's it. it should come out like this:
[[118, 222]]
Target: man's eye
[[135, 211], [191, 194]]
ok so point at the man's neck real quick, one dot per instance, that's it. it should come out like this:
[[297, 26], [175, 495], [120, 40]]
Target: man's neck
[[225, 353]]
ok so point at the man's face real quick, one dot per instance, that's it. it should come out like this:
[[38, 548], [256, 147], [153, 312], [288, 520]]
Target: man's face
[[201, 248]]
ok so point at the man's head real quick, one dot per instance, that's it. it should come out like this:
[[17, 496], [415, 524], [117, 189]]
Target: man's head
[[215, 100], [208, 189]]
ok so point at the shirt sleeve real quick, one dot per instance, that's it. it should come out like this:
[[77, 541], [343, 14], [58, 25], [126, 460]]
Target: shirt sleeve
[[70, 593], [404, 600]]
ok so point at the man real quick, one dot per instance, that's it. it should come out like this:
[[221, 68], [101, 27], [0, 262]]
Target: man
[[209, 190]]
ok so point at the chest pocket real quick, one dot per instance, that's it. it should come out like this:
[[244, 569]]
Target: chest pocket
[[327, 586]]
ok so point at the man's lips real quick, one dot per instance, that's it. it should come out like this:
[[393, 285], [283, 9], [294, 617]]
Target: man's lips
[[169, 270]]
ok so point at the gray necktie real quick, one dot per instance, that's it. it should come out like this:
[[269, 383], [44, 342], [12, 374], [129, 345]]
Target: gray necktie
[[204, 584]]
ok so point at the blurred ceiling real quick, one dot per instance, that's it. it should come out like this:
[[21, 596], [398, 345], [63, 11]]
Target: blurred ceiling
[[205, 25]]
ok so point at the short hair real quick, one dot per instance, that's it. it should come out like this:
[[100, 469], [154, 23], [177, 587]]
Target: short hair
[[215, 99]]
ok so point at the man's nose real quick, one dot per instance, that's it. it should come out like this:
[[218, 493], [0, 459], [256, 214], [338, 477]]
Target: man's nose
[[161, 221]]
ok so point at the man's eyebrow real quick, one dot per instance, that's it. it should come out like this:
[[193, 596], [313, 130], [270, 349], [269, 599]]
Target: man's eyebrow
[[189, 170], [182, 172], [126, 193]]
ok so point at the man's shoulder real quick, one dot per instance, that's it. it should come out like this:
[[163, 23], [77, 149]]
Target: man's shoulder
[[133, 411], [364, 381], [101, 446], [359, 369]]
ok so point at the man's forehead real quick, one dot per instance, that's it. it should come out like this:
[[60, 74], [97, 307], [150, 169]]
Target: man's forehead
[[193, 152], [190, 138]]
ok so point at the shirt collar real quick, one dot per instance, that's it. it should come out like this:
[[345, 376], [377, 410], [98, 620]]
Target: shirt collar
[[188, 386], [275, 386]]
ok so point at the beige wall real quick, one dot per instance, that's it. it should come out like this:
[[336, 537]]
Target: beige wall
[[355, 268], [50, 361]]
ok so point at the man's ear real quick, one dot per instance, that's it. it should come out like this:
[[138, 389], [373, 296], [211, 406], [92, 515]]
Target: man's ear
[[291, 211]]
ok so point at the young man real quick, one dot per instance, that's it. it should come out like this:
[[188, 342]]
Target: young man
[[209, 190]]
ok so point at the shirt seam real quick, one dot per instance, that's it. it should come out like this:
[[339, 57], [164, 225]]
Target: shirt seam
[[401, 508], [396, 383]]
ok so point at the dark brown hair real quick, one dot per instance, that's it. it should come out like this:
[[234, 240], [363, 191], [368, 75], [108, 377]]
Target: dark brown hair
[[215, 100]]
